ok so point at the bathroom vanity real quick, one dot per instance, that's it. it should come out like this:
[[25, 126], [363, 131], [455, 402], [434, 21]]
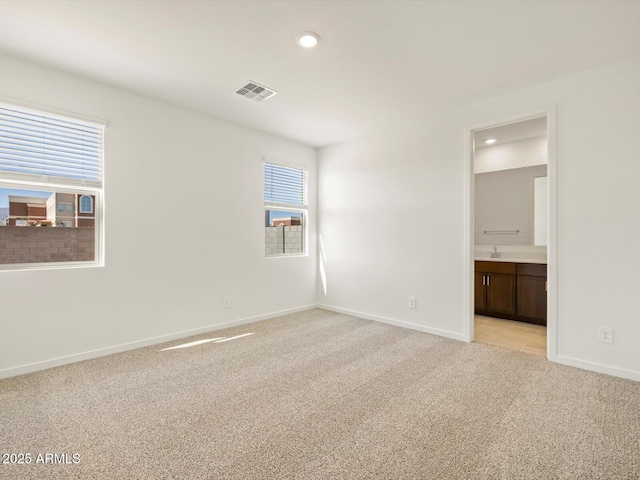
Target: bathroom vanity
[[511, 290]]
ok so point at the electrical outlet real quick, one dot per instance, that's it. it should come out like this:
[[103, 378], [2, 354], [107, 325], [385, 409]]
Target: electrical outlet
[[605, 334], [412, 302], [226, 302]]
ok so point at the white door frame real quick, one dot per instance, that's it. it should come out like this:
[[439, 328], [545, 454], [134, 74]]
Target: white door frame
[[552, 245]]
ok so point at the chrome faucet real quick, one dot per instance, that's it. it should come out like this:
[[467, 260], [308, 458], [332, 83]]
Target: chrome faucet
[[495, 253]]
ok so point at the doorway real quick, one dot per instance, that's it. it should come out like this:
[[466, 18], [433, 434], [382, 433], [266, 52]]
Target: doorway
[[511, 264]]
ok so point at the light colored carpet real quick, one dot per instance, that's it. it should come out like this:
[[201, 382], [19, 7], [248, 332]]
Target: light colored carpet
[[321, 395]]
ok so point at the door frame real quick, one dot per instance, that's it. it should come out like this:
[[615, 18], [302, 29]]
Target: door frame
[[548, 111]]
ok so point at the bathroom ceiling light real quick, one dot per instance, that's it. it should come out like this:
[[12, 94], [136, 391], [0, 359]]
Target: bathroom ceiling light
[[308, 39], [489, 141]]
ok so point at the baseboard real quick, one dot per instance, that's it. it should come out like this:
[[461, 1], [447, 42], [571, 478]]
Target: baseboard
[[598, 367], [397, 323], [101, 352], [56, 362]]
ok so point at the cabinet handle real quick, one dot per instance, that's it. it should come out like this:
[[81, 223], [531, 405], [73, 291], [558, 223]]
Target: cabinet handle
[[484, 280], [546, 286], [488, 280]]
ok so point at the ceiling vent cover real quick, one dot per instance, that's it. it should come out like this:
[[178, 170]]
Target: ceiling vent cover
[[255, 91]]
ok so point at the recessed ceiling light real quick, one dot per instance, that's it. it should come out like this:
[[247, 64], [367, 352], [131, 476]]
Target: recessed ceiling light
[[308, 39], [489, 141]]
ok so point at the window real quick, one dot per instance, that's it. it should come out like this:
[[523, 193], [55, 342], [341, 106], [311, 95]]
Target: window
[[86, 204], [48, 164], [65, 207], [285, 203]]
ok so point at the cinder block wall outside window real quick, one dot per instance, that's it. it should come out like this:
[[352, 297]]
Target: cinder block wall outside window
[[46, 244], [283, 239]]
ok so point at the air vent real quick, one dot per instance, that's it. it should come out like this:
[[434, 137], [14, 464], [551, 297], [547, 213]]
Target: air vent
[[255, 91]]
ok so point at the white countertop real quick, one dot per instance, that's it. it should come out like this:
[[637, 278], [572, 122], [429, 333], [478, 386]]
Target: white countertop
[[512, 259]]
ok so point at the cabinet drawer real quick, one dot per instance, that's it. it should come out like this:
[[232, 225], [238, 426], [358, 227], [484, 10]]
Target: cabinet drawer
[[496, 267], [532, 269]]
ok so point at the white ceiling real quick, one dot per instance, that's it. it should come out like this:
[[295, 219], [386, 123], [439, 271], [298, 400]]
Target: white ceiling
[[379, 63], [512, 132]]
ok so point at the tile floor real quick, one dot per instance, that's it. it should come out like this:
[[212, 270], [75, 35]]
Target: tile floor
[[525, 337]]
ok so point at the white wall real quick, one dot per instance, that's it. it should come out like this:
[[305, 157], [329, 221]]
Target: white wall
[[504, 200], [184, 226], [401, 192], [523, 153]]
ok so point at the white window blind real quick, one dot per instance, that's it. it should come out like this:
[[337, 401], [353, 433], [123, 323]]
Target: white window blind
[[35, 144], [284, 185]]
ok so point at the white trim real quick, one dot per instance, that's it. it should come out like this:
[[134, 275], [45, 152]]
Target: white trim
[[21, 267], [278, 205], [598, 367], [48, 187], [277, 208], [397, 323], [99, 209], [101, 352], [54, 112], [469, 253], [552, 249], [552, 243], [35, 179]]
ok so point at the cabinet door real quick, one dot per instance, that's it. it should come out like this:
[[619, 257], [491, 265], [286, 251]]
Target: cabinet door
[[480, 293], [532, 298], [501, 293]]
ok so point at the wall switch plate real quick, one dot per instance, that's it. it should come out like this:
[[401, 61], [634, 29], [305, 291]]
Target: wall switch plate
[[412, 302], [226, 302], [605, 334]]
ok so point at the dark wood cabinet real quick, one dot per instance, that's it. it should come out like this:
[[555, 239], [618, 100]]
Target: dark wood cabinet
[[531, 293], [480, 292], [515, 291], [495, 288], [501, 293]]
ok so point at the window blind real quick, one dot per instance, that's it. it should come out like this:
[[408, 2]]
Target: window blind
[[33, 144], [284, 185]]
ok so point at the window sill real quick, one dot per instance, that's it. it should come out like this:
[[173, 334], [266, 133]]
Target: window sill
[[21, 267]]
